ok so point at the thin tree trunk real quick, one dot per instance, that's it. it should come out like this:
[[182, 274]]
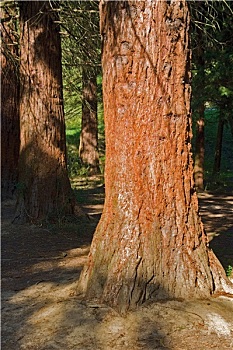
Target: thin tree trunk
[[9, 103], [200, 123], [200, 149], [44, 187], [88, 147], [218, 147], [150, 241]]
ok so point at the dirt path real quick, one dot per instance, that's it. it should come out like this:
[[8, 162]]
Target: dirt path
[[40, 269]]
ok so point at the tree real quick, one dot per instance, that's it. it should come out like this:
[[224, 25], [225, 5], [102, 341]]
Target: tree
[[10, 102], [199, 93], [80, 21], [150, 241], [212, 78], [44, 189], [88, 147], [198, 42]]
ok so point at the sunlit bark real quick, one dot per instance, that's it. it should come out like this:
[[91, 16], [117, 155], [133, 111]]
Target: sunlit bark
[[150, 241]]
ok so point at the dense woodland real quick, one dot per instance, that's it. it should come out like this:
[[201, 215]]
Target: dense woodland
[[139, 94]]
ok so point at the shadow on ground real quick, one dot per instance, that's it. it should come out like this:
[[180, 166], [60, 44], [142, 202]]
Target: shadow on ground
[[41, 311], [216, 210]]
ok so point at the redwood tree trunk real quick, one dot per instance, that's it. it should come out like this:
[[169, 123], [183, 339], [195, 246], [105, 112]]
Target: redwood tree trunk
[[44, 187], [150, 240], [88, 148], [9, 103]]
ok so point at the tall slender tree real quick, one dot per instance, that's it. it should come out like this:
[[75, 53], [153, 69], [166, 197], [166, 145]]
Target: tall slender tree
[[199, 96], [150, 240], [212, 81], [80, 20], [9, 101], [44, 188], [88, 146]]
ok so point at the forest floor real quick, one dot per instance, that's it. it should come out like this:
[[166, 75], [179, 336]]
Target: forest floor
[[40, 270]]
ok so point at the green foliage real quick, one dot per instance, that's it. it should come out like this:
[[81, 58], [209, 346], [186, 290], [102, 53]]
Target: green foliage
[[73, 130], [9, 21], [229, 270], [212, 82], [81, 46], [72, 106], [80, 28], [81, 49], [209, 17], [211, 124]]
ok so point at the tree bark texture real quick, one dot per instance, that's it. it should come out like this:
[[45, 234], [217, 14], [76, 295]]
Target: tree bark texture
[[150, 241], [44, 187], [9, 103], [88, 147]]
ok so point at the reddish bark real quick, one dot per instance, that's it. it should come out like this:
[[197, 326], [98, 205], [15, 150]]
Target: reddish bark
[[150, 241], [9, 104], [44, 187], [88, 147]]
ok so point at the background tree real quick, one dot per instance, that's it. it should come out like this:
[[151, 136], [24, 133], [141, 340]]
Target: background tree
[[199, 93], [212, 76], [198, 42], [150, 240], [220, 92], [88, 147], [9, 100], [44, 189], [82, 40]]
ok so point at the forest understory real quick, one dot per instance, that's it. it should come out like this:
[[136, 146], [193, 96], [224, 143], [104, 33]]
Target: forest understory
[[40, 271]]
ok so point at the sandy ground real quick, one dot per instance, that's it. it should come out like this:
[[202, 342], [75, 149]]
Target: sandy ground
[[40, 270]]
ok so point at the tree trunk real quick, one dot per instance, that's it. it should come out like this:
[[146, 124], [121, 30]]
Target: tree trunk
[[218, 148], [150, 241], [88, 148], [10, 103], [200, 123], [200, 149], [44, 187]]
